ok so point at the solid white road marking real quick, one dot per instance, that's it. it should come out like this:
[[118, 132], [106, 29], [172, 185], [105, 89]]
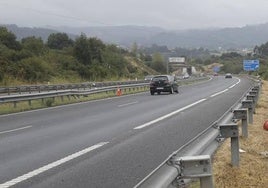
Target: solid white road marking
[[169, 115], [127, 104], [232, 86], [51, 165], [13, 130]]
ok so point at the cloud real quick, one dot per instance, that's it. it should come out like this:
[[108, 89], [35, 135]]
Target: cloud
[[171, 14]]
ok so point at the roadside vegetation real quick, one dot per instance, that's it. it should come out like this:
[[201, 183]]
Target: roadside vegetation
[[63, 60]]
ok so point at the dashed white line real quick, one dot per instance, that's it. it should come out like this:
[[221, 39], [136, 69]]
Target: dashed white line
[[127, 104], [219, 93], [51, 165], [169, 115], [13, 130]]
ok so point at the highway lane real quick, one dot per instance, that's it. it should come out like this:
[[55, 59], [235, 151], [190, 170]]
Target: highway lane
[[125, 154]]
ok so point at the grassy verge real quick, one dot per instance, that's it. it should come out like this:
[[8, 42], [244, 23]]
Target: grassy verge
[[253, 168]]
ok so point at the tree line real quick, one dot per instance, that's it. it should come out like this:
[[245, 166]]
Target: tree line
[[31, 60]]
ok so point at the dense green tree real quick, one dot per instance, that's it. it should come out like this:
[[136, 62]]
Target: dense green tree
[[261, 51], [82, 50], [158, 63], [3, 67], [34, 45], [113, 62], [96, 48], [230, 55], [33, 70], [88, 50], [59, 41], [232, 67], [8, 39]]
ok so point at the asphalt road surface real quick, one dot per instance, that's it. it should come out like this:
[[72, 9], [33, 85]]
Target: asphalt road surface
[[111, 143]]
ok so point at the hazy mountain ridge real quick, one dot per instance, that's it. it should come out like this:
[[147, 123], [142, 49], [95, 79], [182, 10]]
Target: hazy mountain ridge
[[22, 32], [227, 38]]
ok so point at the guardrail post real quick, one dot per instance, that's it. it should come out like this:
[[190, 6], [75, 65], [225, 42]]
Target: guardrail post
[[231, 131], [243, 115], [249, 105], [257, 88], [252, 97], [255, 93], [197, 167]]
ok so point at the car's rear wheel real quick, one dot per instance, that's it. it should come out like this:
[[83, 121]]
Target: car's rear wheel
[[158, 92], [152, 93]]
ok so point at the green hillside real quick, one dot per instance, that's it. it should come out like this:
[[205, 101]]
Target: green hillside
[[61, 59]]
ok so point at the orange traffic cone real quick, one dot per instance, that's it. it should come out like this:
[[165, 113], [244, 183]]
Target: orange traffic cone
[[118, 91]]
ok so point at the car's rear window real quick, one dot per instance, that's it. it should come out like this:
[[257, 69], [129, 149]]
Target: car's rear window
[[160, 78]]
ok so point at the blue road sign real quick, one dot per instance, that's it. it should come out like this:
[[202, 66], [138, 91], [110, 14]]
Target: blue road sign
[[251, 65], [216, 69]]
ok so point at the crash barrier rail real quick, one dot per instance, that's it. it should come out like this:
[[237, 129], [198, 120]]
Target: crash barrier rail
[[193, 160], [48, 88], [68, 93], [51, 91], [81, 86]]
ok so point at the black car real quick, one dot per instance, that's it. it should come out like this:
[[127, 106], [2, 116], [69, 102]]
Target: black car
[[163, 83]]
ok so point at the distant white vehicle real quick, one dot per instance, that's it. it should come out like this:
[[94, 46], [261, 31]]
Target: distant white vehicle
[[186, 76], [228, 75]]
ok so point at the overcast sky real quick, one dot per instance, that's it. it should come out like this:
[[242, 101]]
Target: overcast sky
[[168, 14]]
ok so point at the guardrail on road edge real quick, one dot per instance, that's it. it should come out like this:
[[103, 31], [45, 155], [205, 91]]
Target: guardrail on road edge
[[193, 160]]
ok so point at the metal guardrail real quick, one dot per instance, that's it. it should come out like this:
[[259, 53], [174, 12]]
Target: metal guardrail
[[47, 88], [34, 96], [82, 86], [29, 93], [193, 160]]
